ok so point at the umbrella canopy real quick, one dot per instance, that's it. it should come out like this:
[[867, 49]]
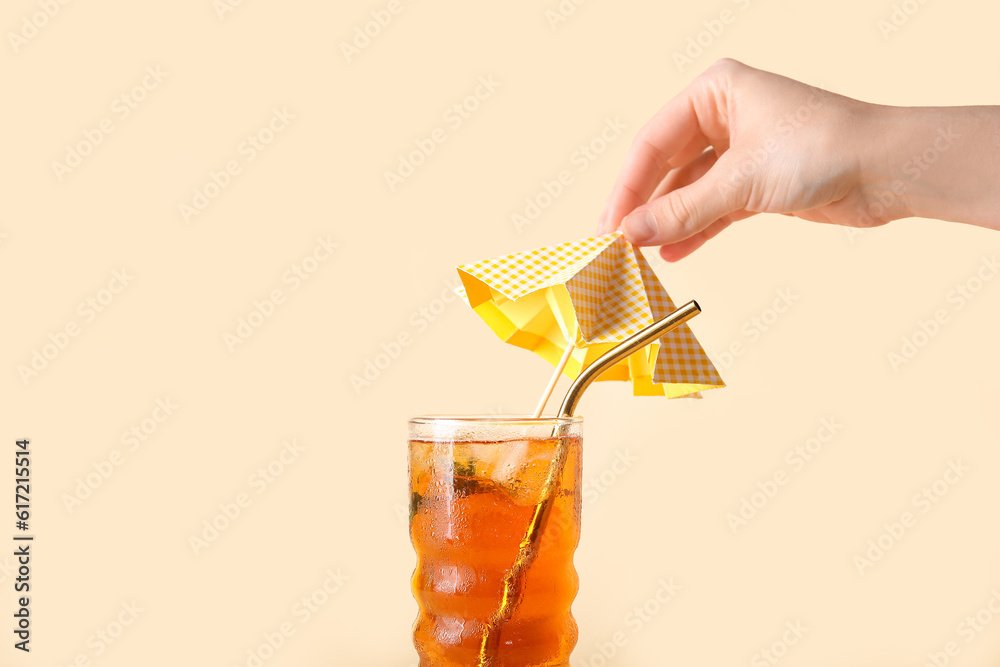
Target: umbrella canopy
[[592, 294]]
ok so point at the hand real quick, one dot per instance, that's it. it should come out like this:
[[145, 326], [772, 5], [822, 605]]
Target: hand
[[779, 146]]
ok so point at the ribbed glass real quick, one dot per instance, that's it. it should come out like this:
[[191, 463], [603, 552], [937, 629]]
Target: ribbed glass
[[475, 483]]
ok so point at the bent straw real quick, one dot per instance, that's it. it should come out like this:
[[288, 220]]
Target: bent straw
[[560, 367], [528, 548]]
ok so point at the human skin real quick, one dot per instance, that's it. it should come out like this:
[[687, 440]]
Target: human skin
[[738, 141]]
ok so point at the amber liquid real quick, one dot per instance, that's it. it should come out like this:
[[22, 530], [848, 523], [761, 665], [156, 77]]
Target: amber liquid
[[466, 524]]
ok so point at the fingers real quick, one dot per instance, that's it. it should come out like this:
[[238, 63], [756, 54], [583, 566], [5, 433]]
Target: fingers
[[676, 251], [681, 159], [689, 173], [679, 178], [684, 212], [694, 119]]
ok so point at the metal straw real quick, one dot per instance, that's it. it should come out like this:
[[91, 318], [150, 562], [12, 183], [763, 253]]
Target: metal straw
[[528, 549]]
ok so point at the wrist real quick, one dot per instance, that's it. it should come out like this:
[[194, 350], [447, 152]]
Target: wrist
[[885, 152], [929, 162]]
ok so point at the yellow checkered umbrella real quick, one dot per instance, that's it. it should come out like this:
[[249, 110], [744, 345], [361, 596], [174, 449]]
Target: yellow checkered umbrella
[[589, 294]]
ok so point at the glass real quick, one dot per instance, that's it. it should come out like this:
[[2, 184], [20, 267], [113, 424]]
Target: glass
[[475, 483]]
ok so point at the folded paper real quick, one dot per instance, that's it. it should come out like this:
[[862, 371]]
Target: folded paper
[[593, 294]]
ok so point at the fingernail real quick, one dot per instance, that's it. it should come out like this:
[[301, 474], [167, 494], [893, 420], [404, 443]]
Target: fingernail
[[640, 226]]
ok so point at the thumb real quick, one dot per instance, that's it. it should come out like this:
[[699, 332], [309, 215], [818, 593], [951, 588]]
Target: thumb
[[684, 212]]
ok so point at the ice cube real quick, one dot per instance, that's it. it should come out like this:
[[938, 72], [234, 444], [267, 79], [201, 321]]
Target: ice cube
[[520, 468]]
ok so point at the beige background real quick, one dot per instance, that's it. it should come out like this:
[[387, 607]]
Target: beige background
[[335, 506]]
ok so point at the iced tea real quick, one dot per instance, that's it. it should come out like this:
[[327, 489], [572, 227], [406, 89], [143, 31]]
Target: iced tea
[[474, 486]]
